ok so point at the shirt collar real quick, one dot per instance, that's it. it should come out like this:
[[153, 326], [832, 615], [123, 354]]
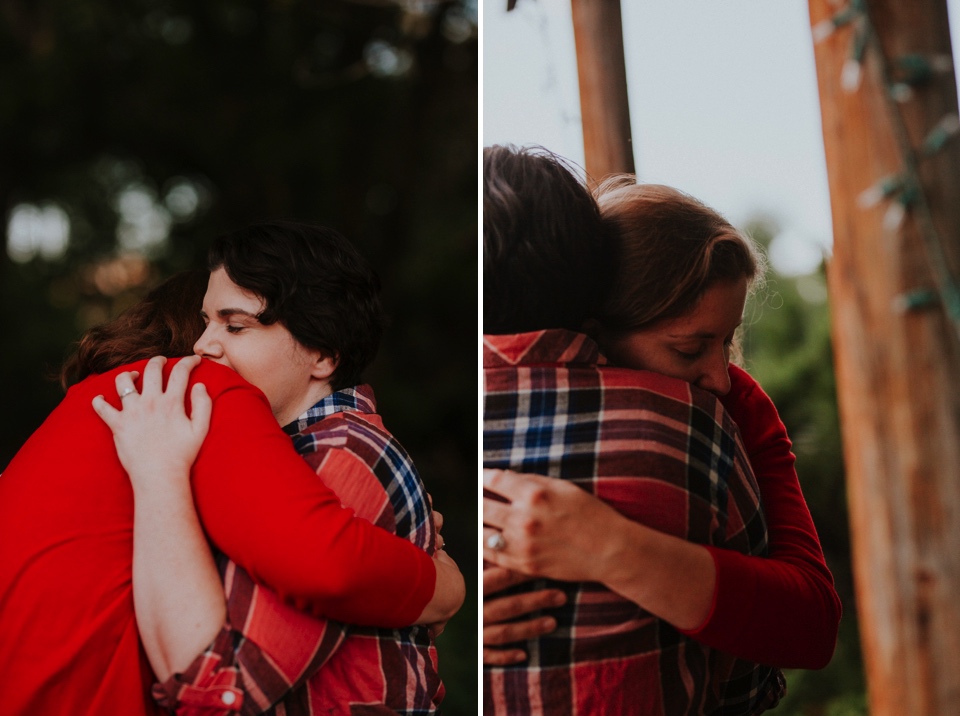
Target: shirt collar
[[540, 347], [358, 399]]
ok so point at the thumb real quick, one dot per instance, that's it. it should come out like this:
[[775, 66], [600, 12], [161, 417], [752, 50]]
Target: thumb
[[107, 412]]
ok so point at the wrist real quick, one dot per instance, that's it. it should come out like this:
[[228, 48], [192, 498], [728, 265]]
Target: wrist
[[157, 481], [626, 559]]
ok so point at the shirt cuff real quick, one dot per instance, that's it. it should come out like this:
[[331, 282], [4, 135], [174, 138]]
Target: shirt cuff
[[209, 686]]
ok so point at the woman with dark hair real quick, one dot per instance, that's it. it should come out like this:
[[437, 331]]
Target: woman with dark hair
[[294, 309], [69, 639]]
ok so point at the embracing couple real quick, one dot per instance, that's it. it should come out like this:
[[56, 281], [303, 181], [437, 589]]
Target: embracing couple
[[326, 581]]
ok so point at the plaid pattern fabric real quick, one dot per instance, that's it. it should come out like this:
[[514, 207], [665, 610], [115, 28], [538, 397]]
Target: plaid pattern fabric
[[268, 657], [660, 452]]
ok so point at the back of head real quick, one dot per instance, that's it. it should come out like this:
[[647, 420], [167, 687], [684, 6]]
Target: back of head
[[671, 248], [546, 255], [166, 322], [315, 283]]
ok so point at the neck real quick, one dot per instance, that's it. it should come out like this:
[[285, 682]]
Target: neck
[[317, 391]]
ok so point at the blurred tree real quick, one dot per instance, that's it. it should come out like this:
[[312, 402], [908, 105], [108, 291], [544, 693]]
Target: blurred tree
[[787, 348], [133, 133]]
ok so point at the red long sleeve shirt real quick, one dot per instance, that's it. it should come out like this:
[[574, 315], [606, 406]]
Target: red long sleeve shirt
[[782, 610], [68, 638]]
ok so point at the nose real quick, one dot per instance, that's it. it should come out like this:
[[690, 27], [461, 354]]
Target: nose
[[715, 376], [207, 346]]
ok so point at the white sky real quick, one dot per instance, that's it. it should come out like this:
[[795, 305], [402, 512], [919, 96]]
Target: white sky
[[723, 103]]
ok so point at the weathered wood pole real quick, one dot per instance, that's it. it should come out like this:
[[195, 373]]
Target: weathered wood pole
[[602, 73], [898, 370]]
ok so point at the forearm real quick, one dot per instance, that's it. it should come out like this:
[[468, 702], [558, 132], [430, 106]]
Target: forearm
[[448, 593], [268, 511], [787, 602], [668, 576], [772, 612], [178, 596], [554, 529]]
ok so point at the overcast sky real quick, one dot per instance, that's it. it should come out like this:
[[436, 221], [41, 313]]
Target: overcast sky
[[723, 103]]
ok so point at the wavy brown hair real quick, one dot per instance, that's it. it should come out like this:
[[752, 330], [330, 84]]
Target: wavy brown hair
[[166, 322], [671, 248]]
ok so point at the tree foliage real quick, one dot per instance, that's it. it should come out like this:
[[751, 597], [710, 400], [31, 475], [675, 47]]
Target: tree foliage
[[149, 127]]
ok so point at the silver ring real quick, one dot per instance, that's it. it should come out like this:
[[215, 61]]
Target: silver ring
[[126, 392], [496, 542]]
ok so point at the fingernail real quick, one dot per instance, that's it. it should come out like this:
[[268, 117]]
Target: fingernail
[[558, 599]]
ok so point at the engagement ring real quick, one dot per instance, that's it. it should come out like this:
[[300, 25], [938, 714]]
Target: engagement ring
[[496, 542]]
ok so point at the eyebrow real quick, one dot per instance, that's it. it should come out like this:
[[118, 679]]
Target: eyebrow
[[231, 312], [700, 334], [692, 335]]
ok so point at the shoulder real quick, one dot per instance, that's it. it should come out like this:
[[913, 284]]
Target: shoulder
[[743, 386], [362, 434], [746, 398], [649, 389], [218, 379], [213, 375], [235, 401]]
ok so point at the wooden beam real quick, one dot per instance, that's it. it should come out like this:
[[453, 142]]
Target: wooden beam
[[605, 113], [898, 370]]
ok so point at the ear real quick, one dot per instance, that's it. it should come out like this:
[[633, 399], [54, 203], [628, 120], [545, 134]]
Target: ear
[[323, 366]]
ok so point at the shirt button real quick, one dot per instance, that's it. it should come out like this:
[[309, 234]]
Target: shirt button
[[228, 697]]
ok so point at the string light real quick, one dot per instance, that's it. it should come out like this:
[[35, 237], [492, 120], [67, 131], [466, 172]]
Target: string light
[[915, 70], [883, 189], [823, 29], [942, 132], [916, 300], [852, 72]]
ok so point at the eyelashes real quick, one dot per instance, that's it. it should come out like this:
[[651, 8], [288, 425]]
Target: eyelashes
[[695, 355]]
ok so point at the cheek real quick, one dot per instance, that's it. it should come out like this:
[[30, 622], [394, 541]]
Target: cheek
[[664, 360], [642, 355], [681, 370], [244, 361]]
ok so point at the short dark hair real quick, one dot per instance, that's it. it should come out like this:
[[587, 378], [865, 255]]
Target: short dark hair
[[546, 252], [315, 283]]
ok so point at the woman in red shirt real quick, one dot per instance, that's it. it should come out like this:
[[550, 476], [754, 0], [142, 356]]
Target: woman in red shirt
[[674, 308]]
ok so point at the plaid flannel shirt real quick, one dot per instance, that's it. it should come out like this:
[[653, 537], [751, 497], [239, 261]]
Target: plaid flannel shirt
[[268, 656], [662, 453]]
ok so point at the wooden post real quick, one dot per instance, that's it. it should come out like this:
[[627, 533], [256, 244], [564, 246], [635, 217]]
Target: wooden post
[[605, 113], [898, 370]]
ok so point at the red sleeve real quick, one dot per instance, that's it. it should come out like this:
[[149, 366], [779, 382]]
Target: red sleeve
[[262, 505], [782, 610]]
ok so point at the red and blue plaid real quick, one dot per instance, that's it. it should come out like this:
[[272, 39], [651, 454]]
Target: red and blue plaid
[[270, 658], [662, 453]]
